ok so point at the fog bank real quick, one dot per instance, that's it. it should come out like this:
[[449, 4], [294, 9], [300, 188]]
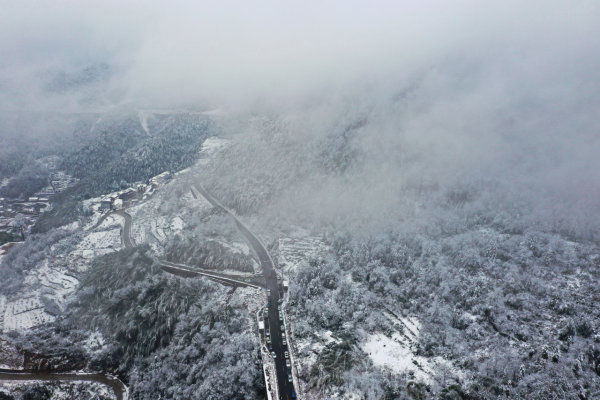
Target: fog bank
[[365, 110]]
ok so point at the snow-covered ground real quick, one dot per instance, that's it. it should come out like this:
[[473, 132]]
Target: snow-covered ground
[[61, 390], [235, 247], [396, 353], [5, 247], [106, 238], [95, 342], [292, 251], [55, 281], [49, 284], [239, 248], [24, 313], [155, 220], [151, 225], [52, 280], [213, 145]]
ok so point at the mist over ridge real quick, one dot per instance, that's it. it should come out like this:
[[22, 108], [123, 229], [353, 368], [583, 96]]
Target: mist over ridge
[[511, 85], [312, 200]]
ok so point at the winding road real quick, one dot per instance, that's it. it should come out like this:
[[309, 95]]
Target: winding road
[[186, 271], [117, 386], [127, 241], [285, 385]]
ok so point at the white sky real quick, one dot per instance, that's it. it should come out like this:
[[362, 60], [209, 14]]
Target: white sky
[[181, 52]]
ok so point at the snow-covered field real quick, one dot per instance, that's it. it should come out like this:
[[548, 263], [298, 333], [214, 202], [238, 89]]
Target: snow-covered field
[[151, 225], [24, 313], [105, 239], [55, 281], [54, 278], [393, 353], [27, 310]]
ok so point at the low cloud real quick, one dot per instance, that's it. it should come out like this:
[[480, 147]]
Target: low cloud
[[235, 53], [499, 91]]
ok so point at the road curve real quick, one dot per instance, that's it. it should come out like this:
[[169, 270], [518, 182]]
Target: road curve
[[117, 386], [127, 241], [285, 385], [180, 269]]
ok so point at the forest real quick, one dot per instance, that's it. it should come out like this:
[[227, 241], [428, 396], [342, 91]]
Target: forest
[[116, 154]]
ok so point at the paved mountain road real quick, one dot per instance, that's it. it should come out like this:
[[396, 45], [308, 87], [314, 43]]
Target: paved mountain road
[[286, 388], [118, 387], [127, 241]]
